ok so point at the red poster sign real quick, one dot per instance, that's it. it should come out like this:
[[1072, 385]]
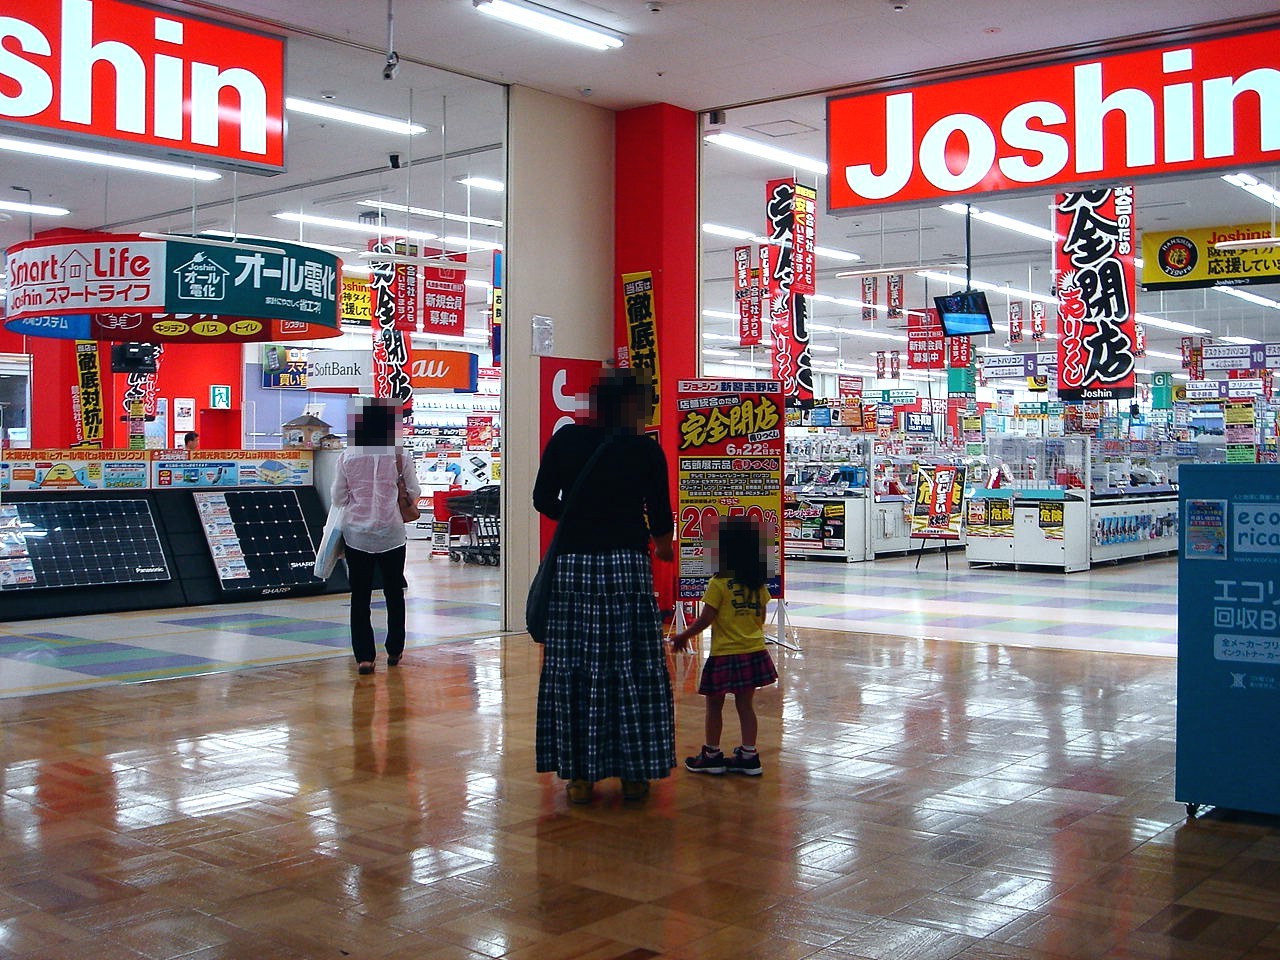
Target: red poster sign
[[564, 384], [804, 237], [925, 341], [1093, 262], [1037, 321], [390, 345], [1139, 341], [894, 281], [895, 365], [938, 498], [748, 312], [849, 386], [870, 293], [959, 353], [1174, 109], [172, 83], [1015, 321], [443, 298]]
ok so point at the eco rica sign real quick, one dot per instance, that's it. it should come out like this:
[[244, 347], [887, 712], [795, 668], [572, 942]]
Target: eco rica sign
[[1195, 106], [114, 71]]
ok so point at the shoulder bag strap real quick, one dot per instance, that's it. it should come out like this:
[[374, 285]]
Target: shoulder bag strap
[[554, 546]]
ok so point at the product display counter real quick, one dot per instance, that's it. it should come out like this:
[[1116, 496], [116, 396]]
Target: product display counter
[[827, 527], [1133, 522], [95, 531]]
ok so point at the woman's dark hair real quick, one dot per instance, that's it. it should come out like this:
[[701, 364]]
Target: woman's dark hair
[[375, 423], [742, 552], [618, 397]]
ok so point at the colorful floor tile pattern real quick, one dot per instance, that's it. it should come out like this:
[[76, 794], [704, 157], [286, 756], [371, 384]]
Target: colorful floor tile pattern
[[1125, 608]]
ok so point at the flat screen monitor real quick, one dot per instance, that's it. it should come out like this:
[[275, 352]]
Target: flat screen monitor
[[133, 358], [964, 314]]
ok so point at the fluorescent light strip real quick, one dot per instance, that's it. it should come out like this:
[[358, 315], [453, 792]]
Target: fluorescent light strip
[[720, 314], [999, 220], [482, 183], [1173, 325], [763, 151], [328, 247], [1164, 356], [206, 242], [1238, 341], [355, 226], [37, 208], [552, 23], [1257, 243], [716, 352], [425, 212], [734, 233], [359, 118], [1251, 184], [478, 244], [47, 150], [1247, 297], [1011, 292]]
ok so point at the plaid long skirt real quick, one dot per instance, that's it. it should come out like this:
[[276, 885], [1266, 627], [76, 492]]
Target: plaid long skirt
[[605, 707]]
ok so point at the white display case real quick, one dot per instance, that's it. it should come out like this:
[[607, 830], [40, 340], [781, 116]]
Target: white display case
[[827, 528]]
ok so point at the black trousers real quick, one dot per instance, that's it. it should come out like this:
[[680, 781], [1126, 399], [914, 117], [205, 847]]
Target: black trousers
[[360, 569]]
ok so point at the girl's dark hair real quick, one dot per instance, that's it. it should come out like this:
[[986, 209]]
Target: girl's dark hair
[[742, 552]]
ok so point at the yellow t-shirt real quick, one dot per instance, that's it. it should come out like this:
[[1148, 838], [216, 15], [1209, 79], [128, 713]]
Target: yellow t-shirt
[[739, 623]]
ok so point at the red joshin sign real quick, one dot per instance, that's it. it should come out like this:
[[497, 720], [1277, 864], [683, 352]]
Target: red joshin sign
[[114, 71], [1185, 108], [1093, 260]]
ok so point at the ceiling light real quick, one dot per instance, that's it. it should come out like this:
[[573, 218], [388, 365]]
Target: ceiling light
[[1247, 296], [482, 183], [478, 244], [355, 226], [206, 242], [357, 269], [425, 212], [442, 260], [532, 16], [1173, 325], [1240, 341], [481, 284], [107, 159], [766, 152], [1163, 356], [909, 268], [732, 232], [33, 208], [328, 247], [716, 352], [1257, 243], [1251, 184], [822, 348], [1011, 292], [834, 254], [358, 117], [720, 314], [999, 220]]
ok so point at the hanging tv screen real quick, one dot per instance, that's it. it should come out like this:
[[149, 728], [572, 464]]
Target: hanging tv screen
[[964, 314]]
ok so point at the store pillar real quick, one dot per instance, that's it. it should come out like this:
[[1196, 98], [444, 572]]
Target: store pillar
[[656, 158]]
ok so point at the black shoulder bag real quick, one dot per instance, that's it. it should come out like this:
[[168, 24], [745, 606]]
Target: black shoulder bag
[[537, 606]]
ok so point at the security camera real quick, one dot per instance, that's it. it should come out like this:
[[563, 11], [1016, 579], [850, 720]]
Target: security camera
[[393, 159], [392, 66]]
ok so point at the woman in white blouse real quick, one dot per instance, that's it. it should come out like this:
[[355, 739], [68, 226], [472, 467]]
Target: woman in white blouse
[[367, 485]]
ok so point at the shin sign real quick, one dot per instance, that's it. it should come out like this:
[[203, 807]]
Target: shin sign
[[118, 72], [1184, 108]]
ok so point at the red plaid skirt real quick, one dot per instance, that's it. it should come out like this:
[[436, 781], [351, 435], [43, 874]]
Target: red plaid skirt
[[737, 671]]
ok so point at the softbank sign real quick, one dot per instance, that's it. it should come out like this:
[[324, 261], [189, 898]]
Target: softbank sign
[[114, 71], [1198, 106]]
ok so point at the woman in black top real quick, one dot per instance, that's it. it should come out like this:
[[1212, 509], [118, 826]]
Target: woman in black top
[[605, 706]]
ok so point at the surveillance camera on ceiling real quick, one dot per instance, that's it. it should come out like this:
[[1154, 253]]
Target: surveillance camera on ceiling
[[392, 66]]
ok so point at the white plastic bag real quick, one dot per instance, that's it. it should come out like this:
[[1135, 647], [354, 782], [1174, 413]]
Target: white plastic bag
[[331, 545]]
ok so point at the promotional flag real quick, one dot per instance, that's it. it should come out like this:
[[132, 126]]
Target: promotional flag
[[895, 365], [804, 271], [390, 344], [925, 341], [1139, 341], [1015, 321], [642, 332], [748, 319], [959, 353], [880, 364], [894, 281], [1093, 264], [787, 314], [870, 292], [1037, 321]]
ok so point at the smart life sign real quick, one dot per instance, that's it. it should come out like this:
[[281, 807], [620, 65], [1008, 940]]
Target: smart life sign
[[113, 72], [1183, 108]]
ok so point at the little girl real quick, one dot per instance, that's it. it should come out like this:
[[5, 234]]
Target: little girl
[[733, 606]]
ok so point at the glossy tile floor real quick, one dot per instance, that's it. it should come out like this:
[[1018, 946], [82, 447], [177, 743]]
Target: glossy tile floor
[[921, 799]]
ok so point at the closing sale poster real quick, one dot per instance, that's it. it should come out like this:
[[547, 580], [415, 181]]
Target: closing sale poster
[[729, 465]]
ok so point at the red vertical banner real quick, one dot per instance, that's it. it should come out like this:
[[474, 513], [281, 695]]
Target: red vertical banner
[[1187, 343], [925, 341], [443, 300], [895, 365], [748, 321], [804, 234], [894, 284], [1097, 297], [870, 292], [1015, 321], [1139, 341], [390, 344], [1037, 321], [787, 316], [141, 388], [959, 352], [880, 365]]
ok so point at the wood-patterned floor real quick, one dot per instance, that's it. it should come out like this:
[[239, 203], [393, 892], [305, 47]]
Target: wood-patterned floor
[[920, 800]]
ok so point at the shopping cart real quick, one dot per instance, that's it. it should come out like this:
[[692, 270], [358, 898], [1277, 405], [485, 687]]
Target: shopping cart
[[480, 539]]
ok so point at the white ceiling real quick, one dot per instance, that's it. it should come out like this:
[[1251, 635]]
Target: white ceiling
[[697, 54]]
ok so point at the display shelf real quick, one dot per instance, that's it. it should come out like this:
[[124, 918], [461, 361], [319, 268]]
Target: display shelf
[[827, 528]]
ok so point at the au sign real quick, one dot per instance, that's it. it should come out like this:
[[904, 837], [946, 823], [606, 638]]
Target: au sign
[[1196, 106], [112, 71]]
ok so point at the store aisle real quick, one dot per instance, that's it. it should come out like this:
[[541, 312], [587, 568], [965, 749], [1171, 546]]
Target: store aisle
[[920, 799], [1121, 608]]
